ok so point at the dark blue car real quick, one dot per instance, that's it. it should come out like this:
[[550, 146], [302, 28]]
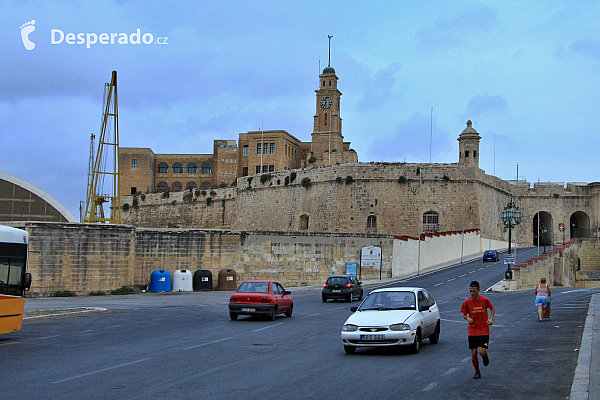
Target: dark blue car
[[490, 255]]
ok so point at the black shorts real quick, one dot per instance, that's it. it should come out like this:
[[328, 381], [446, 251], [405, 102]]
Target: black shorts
[[479, 341]]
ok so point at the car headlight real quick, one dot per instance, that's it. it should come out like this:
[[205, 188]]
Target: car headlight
[[400, 327], [349, 328]]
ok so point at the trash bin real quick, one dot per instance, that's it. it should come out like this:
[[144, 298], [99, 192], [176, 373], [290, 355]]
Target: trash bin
[[182, 281], [508, 274], [160, 281], [227, 279], [202, 280]]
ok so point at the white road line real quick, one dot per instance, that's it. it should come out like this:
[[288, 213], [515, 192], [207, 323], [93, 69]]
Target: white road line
[[460, 276], [100, 370], [466, 359], [207, 343], [450, 280], [267, 327], [6, 344], [308, 316], [571, 291], [113, 326], [478, 269], [430, 386], [450, 371], [49, 337], [472, 272], [89, 330], [438, 284]]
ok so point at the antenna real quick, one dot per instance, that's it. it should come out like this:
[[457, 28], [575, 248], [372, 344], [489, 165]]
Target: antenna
[[329, 61], [430, 134]]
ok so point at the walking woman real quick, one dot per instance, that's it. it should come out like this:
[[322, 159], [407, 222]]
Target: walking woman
[[542, 298]]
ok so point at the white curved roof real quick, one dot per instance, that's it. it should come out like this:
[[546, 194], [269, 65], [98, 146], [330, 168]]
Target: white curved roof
[[40, 193]]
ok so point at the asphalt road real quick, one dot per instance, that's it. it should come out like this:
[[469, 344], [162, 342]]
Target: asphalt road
[[184, 346]]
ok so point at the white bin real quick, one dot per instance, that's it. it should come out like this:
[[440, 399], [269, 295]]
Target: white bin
[[182, 281]]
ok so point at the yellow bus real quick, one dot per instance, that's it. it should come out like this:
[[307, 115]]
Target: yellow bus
[[14, 278]]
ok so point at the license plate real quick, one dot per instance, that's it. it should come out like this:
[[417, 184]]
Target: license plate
[[372, 337], [248, 309], [336, 291]]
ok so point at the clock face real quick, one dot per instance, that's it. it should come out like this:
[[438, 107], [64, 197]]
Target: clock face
[[326, 102]]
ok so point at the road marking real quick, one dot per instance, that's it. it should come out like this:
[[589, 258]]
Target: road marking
[[450, 371], [113, 326], [438, 284], [267, 327], [478, 269], [89, 330], [49, 337], [466, 359], [472, 272], [100, 370], [6, 344], [460, 276], [310, 315], [207, 343], [450, 280], [571, 291], [430, 386]]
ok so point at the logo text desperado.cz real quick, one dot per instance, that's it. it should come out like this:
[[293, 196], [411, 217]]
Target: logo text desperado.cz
[[57, 36]]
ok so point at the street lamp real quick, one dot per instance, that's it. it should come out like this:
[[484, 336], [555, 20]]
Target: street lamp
[[511, 216]]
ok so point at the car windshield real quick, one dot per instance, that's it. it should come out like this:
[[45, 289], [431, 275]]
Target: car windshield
[[254, 287], [337, 280], [396, 300], [490, 252]]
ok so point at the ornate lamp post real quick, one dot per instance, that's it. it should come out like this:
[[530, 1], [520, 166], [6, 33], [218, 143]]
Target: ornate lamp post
[[511, 216]]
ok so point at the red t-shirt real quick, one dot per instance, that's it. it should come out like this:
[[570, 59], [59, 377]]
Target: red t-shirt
[[477, 310]]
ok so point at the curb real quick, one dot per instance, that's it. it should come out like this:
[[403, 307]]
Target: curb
[[580, 389], [66, 311]]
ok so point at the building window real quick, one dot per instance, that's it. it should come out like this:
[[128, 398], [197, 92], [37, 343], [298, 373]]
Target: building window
[[205, 185], [258, 148], [190, 185], [244, 171], [206, 168], [371, 222], [178, 168], [163, 168], [192, 168], [133, 164], [177, 186], [272, 149], [245, 150], [271, 168], [431, 221], [265, 168], [474, 153], [133, 190], [265, 148], [467, 154], [162, 184], [304, 222], [258, 169]]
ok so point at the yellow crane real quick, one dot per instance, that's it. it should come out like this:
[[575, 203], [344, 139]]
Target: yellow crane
[[105, 163]]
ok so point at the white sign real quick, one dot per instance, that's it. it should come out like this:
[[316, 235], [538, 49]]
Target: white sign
[[370, 257], [509, 259]]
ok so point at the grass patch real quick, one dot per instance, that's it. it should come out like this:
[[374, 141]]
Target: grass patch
[[122, 290], [63, 293]]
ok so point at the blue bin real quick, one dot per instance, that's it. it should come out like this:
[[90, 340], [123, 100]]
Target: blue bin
[[160, 281]]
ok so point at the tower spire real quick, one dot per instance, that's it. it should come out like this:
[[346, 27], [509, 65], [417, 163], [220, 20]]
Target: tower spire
[[329, 61]]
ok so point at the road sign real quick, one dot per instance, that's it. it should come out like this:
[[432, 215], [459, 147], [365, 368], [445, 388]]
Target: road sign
[[561, 227], [509, 259]]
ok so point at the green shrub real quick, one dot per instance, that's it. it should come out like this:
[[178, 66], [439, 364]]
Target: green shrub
[[312, 159], [208, 201], [349, 180], [143, 196], [292, 177], [264, 178], [338, 179], [123, 290], [125, 207], [446, 178], [305, 182], [97, 293], [402, 179], [286, 181]]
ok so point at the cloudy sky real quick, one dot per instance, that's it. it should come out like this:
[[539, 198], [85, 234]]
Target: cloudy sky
[[411, 73]]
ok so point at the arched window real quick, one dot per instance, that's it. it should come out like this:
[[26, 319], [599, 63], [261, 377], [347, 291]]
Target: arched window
[[304, 222], [206, 168], [190, 185], [205, 185], [177, 185], [163, 168], [178, 168], [431, 221], [192, 168], [371, 223], [162, 184]]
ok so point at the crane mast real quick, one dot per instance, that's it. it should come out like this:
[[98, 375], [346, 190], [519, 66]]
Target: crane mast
[[104, 183]]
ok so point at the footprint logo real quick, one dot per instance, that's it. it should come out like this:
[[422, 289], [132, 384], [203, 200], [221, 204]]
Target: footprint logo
[[26, 29]]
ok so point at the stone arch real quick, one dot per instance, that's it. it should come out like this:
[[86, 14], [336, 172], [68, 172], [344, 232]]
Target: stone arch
[[579, 225], [177, 186], [371, 224], [205, 185], [546, 228]]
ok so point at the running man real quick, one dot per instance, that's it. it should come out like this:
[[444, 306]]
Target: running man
[[474, 310]]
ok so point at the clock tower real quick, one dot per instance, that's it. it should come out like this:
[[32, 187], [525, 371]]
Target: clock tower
[[327, 140]]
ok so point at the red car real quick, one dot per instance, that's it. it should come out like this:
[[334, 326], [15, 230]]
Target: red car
[[260, 297]]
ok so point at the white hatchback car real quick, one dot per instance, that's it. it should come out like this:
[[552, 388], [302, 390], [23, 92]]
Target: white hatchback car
[[395, 316]]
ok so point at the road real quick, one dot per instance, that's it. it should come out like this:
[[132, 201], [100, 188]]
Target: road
[[184, 346]]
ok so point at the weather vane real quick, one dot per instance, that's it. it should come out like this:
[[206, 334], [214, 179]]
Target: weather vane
[[329, 62]]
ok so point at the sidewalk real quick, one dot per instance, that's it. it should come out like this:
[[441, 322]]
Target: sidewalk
[[586, 384]]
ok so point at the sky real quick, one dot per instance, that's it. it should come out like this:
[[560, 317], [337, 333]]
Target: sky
[[411, 75]]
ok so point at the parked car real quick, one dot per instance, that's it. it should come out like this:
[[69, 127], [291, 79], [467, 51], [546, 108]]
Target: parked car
[[490, 255], [398, 316], [260, 297], [345, 287]]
